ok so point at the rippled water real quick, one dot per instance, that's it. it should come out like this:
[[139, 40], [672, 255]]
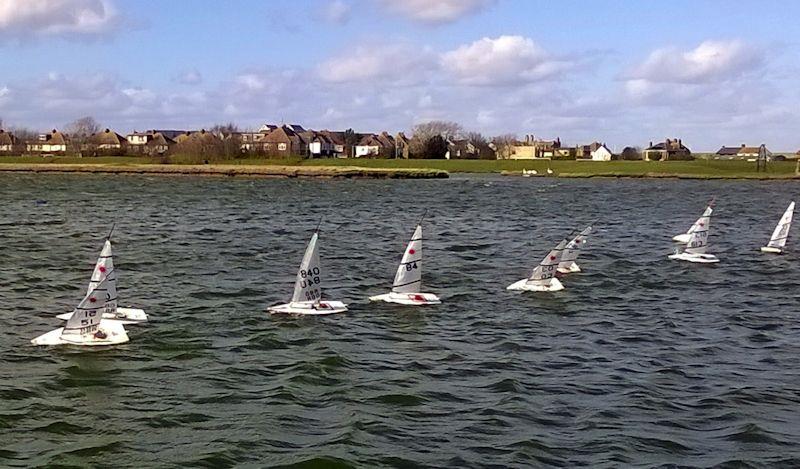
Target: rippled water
[[641, 361]]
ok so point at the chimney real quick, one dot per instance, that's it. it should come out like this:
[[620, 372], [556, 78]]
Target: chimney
[[743, 145], [651, 143]]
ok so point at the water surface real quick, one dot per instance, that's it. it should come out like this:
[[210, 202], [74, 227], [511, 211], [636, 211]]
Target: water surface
[[640, 361]]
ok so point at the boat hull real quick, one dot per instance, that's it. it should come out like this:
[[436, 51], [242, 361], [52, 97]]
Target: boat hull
[[695, 258], [772, 250], [572, 268], [525, 285], [682, 238], [308, 309], [410, 299], [114, 331], [125, 316]]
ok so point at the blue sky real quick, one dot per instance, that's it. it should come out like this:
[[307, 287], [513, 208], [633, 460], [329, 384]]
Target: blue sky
[[623, 72]]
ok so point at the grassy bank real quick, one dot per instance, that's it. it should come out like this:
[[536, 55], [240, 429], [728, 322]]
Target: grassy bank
[[277, 171], [700, 169]]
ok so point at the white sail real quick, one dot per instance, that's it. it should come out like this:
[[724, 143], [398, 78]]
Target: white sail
[[86, 317], [308, 286], [698, 241], [704, 219], [409, 273], [573, 249], [781, 233], [546, 270], [104, 270]]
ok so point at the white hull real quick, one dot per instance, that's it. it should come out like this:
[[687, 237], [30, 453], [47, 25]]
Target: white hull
[[319, 309], [525, 285], [696, 258], [114, 331], [682, 238], [772, 250], [573, 268], [413, 299], [124, 316]]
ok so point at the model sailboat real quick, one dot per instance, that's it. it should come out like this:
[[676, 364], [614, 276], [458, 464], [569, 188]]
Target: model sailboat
[[572, 250], [778, 240], [307, 296], [695, 250], [684, 238], [86, 326], [543, 277], [407, 286], [104, 269]]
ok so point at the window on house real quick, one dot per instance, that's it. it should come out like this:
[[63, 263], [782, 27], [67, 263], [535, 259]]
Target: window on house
[[281, 146]]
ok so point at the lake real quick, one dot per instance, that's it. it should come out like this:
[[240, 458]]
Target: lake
[[640, 361]]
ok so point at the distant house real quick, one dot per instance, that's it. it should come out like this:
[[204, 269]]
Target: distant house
[[199, 141], [49, 143], [465, 149], [105, 143], [376, 146], [668, 150], [8, 143], [319, 145], [532, 148], [402, 146], [283, 142], [247, 140], [152, 142], [601, 153], [742, 152], [337, 142], [266, 128], [158, 145]]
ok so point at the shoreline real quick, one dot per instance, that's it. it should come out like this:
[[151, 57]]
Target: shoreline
[[266, 171], [612, 175], [410, 169]]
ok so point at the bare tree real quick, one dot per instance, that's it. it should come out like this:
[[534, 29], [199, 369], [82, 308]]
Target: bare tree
[[423, 133], [504, 145], [25, 134], [224, 129], [82, 128], [476, 138]]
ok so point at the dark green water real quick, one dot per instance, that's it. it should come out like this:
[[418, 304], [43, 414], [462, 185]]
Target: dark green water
[[640, 361]]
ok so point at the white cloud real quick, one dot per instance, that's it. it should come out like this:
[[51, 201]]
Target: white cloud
[[395, 63], [436, 11], [189, 77], [505, 60], [20, 19], [710, 61], [337, 12]]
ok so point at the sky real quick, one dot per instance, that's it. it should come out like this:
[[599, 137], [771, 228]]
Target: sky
[[622, 72]]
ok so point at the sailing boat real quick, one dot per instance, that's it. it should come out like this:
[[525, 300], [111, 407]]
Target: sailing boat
[[778, 240], [408, 279], [572, 250], [543, 277], [695, 250], [307, 297], [104, 269], [86, 325], [704, 218]]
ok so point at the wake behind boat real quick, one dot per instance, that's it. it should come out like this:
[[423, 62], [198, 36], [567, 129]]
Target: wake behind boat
[[543, 278], [86, 326], [704, 219], [307, 296], [104, 269], [407, 286], [778, 240], [572, 250]]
